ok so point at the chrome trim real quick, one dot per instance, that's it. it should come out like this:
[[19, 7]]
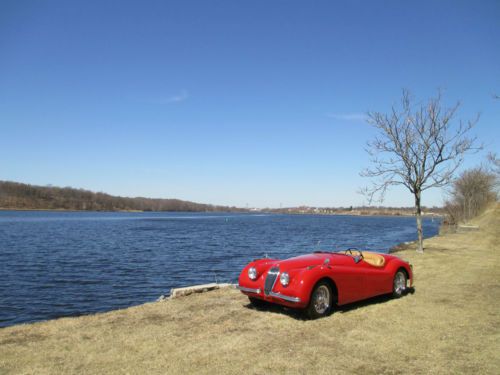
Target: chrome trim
[[248, 290], [256, 275], [274, 271], [286, 298], [287, 276]]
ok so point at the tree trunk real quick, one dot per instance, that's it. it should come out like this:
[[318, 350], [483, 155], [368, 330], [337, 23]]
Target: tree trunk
[[418, 214]]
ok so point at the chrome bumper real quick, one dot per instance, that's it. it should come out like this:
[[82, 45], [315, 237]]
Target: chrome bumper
[[272, 294], [286, 298], [248, 290]]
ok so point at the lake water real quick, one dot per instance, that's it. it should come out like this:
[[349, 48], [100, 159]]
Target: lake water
[[55, 264]]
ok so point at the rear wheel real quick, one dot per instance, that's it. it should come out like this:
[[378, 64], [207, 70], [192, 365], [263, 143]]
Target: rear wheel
[[321, 301], [399, 284]]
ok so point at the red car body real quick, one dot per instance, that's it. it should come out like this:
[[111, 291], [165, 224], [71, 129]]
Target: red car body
[[352, 276]]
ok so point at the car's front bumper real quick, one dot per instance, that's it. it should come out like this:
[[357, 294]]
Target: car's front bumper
[[248, 290], [271, 294], [284, 297]]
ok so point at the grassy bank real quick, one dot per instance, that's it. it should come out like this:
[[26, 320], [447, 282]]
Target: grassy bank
[[450, 324]]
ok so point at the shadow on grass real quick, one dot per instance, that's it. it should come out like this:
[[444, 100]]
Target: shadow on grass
[[278, 309], [300, 315]]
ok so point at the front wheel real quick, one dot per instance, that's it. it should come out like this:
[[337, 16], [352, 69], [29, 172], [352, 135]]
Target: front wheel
[[321, 301], [399, 284]]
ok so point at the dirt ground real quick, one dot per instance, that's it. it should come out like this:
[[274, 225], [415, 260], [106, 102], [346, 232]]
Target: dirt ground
[[449, 325]]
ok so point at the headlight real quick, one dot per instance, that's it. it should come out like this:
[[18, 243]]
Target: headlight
[[284, 279], [252, 273]]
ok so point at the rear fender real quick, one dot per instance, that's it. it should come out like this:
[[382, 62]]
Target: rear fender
[[394, 265]]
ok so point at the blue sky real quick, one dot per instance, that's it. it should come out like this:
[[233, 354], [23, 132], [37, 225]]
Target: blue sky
[[256, 103]]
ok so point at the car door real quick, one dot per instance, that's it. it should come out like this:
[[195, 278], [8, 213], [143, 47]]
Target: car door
[[351, 280], [374, 279]]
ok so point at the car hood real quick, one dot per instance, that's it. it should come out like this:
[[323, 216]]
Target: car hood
[[303, 261]]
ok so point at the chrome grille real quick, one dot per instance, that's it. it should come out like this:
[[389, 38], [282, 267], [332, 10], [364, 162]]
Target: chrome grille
[[271, 277]]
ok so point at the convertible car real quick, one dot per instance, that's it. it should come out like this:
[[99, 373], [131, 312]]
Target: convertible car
[[315, 282]]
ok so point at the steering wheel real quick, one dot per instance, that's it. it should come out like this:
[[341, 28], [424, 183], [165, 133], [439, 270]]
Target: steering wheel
[[357, 258], [350, 250]]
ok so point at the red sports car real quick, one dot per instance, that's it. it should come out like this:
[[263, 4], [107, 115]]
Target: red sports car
[[315, 282]]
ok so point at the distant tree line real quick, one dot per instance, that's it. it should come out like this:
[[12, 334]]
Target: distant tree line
[[473, 191], [14, 195]]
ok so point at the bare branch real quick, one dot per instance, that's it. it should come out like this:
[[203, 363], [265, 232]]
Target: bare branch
[[419, 147]]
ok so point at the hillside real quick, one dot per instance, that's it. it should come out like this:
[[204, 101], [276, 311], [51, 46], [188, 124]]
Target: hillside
[[14, 195], [450, 324]]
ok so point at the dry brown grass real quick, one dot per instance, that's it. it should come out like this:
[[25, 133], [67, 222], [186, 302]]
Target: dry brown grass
[[450, 325]]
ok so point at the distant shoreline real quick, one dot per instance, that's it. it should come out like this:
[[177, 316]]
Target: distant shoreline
[[116, 211], [69, 210], [17, 196], [264, 211], [365, 214]]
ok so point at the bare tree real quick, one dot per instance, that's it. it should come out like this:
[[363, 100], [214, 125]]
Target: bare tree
[[493, 167], [471, 193], [494, 163], [419, 147]]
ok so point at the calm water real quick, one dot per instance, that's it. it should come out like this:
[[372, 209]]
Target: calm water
[[55, 264]]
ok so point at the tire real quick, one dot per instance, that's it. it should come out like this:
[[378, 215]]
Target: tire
[[257, 303], [321, 301], [399, 284]]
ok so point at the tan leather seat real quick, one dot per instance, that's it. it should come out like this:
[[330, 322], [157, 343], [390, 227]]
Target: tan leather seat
[[373, 259]]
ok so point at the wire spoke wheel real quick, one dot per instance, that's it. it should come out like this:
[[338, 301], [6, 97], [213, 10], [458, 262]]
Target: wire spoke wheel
[[321, 301], [399, 285]]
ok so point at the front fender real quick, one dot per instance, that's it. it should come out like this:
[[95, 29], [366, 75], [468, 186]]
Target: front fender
[[262, 266], [302, 282]]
